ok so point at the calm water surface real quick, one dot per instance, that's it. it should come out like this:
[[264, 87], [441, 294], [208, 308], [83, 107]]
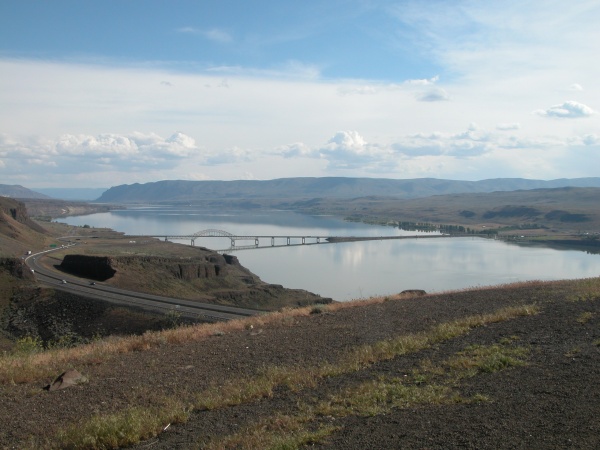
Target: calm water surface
[[351, 270]]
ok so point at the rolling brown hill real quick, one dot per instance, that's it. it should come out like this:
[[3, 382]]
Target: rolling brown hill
[[326, 187], [565, 209]]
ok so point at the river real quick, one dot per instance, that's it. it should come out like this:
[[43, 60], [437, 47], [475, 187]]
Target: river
[[351, 270]]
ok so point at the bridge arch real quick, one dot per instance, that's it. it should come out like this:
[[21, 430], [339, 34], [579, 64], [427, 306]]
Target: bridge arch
[[211, 232]]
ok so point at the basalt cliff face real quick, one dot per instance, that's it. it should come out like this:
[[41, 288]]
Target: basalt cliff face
[[102, 268], [210, 277]]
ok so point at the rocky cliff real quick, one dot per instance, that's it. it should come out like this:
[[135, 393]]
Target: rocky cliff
[[15, 210], [208, 277], [102, 268]]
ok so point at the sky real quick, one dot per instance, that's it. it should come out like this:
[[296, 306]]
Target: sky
[[98, 94]]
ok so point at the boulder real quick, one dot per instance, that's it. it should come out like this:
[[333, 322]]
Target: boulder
[[66, 379]]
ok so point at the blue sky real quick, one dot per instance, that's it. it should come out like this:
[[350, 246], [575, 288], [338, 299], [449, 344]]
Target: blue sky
[[96, 94]]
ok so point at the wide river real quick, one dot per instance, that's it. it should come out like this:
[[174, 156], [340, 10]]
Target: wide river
[[351, 270]]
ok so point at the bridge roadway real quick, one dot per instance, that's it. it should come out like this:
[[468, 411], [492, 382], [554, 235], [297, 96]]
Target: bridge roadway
[[187, 308], [288, 240]]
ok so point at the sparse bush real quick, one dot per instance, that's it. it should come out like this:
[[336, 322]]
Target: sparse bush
[[585, 317], [318, 309], [173, 318], [28, 345]]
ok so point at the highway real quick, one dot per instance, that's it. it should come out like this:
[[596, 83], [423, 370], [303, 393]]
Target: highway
[[100, 291]]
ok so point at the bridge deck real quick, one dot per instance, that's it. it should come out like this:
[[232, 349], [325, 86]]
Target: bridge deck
[[290, 240]]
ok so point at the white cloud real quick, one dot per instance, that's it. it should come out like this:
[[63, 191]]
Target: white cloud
[[349, 150], [434, 95], [508, 126], [137, 146], [297, 149], [567, 110], [86, 154], [424, 81], [415, 86], [233, 155], [576, 87]]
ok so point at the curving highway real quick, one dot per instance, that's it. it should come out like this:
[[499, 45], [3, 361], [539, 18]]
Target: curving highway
[[188, 308]]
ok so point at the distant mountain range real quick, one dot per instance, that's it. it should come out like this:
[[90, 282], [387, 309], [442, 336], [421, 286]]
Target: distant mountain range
[[79, 194], [285, 189], [17, 191], [330, 187]]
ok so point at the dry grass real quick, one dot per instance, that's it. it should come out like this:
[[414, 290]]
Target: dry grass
[[27, 368], [22, 368], [278, 432], [585, 317], [238, 391], [122, 429], [313, 422]]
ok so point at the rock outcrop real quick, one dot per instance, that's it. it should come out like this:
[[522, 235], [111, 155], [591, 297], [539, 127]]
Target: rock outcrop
[[16, 268], [67, 379], [102, 268], [95, 267], [13, 210]]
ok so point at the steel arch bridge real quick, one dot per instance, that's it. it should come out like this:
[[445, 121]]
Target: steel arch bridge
[[211, 232], [215, 233]]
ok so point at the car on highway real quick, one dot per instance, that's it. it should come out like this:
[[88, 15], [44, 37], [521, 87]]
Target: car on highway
[[64, 281]]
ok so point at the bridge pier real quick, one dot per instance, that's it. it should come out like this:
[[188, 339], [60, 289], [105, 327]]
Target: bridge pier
[[272, 242]]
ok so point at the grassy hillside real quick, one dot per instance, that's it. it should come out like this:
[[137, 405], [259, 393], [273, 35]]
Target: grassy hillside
[[18, 233]]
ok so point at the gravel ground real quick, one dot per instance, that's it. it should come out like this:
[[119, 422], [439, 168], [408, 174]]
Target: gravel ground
[[553, 401]]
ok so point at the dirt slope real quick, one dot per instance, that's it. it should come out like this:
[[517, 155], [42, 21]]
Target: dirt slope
[[549, 399]]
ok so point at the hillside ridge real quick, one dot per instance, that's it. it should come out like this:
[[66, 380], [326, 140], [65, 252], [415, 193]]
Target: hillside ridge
[[334, 187]]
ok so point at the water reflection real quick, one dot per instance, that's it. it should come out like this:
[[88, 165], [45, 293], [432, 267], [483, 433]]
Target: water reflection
[[356, 269]]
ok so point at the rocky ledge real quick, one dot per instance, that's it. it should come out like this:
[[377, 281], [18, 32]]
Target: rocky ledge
[[209, 277]]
